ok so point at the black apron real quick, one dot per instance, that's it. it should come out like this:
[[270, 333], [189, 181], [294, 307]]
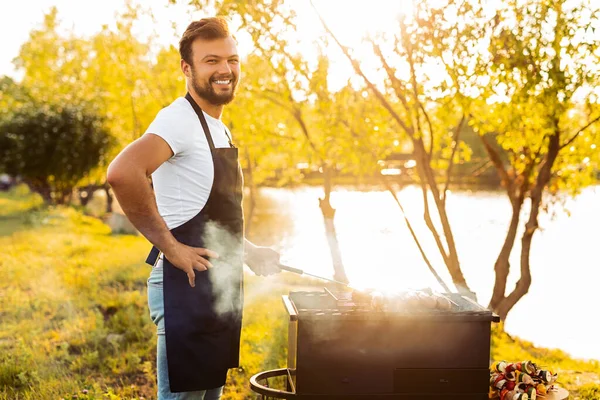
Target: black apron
[[203, 323]]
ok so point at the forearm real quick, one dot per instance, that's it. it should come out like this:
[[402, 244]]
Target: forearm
[[136, 198]]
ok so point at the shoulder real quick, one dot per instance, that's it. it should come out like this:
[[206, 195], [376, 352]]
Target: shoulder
[[175, 124], [177, 114]]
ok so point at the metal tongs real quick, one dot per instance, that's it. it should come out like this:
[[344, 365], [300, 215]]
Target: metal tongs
[[301, 272]]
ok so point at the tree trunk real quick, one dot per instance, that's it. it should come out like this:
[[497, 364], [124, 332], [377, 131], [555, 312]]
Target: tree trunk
[[537, 192], [516, 196], [62, 196], [451, 256], [502, 265], [328, 217], [109, 198], [86, 194], [524, 282], [43, 189]]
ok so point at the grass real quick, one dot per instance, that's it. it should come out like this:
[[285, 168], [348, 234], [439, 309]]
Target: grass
[[74, 322]]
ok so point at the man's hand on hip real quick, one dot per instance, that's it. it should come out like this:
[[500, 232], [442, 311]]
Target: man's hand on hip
[[188, 259]]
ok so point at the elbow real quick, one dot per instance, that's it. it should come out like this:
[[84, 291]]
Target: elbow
[[114, 174], [121, 173]]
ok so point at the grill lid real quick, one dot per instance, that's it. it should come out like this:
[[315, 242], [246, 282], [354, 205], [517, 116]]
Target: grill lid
[[423, 304]]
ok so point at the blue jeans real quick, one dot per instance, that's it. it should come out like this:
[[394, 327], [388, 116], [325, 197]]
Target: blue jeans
[[157, 313]]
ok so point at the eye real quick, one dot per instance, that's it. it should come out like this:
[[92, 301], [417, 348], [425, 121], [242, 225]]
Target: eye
[[234, 61], [211, 61]]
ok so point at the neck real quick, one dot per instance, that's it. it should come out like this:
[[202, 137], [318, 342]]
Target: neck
[[209, 108]]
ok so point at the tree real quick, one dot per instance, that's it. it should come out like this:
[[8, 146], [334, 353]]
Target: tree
[[538, 101], [52, 147], [419, 109], [524, 75], [113, 70], [520, 91]]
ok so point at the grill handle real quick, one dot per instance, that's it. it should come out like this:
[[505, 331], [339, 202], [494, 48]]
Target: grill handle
[[301, 272], [270, 392], [291, 269]]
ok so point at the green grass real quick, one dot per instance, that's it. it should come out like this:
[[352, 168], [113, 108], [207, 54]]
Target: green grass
[[74, 321], [73, 311], [13, 207]]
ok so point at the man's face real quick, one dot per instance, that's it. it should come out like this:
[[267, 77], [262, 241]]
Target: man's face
[[215, 71]]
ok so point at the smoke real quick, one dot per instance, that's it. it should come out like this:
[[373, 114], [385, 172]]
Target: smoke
[[226, 275]]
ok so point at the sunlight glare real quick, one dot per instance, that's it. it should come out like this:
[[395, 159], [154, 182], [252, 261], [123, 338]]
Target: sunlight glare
[[352, 22]]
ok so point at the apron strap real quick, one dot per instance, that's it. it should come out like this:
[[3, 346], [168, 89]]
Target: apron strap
[[202, 119], [153, 256]]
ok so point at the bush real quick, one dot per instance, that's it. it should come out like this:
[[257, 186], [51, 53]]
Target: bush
[[52, 147]]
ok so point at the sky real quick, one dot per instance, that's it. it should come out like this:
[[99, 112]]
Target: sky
[[86, 17]]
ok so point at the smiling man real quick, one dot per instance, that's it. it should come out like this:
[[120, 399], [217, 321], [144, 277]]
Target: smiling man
[[194, 220]]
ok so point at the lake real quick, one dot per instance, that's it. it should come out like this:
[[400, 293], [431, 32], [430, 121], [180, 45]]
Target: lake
[[378, 252]]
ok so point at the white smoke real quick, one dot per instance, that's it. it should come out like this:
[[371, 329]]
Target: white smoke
[[225, 276]]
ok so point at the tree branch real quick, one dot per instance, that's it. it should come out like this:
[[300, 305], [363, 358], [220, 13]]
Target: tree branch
[[397, 85], [497, 161], [298, 116], [431, 226], [360, 72], [406, 220], [454, 147], [276, 102], [480, 169], [579, 132], [432, 141], [413, 77], [414, 235]]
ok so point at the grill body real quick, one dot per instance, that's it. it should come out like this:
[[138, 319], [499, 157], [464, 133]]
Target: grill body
[[342, 349]]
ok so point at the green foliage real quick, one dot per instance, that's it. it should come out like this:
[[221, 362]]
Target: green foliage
[[268, 136], [112, 71], [535, 79], [52, 147], [12, 96], [590, 391]]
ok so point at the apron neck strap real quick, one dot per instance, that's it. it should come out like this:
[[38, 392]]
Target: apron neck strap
[[202, 119]]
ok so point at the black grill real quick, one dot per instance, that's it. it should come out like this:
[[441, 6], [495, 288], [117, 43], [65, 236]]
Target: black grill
[[340, 347]]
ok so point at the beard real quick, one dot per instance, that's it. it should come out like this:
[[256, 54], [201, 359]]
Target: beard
[[208, 93]]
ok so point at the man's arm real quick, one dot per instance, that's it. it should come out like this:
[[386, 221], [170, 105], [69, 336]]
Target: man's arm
[[128, 176]]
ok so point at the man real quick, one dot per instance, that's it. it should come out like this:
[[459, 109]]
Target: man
[[195, 222]]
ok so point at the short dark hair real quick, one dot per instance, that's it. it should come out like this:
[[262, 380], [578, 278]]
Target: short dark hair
[[206, 28]]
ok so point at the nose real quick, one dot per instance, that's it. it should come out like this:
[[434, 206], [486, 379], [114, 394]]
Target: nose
[[224, 68]]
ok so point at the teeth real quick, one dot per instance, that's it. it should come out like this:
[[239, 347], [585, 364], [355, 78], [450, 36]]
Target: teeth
[[223, 82]]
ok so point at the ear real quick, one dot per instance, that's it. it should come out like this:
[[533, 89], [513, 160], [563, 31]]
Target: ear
[[186, 69]]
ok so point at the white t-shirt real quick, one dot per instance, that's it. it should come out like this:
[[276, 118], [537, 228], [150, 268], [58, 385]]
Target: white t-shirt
[[183, 183]]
